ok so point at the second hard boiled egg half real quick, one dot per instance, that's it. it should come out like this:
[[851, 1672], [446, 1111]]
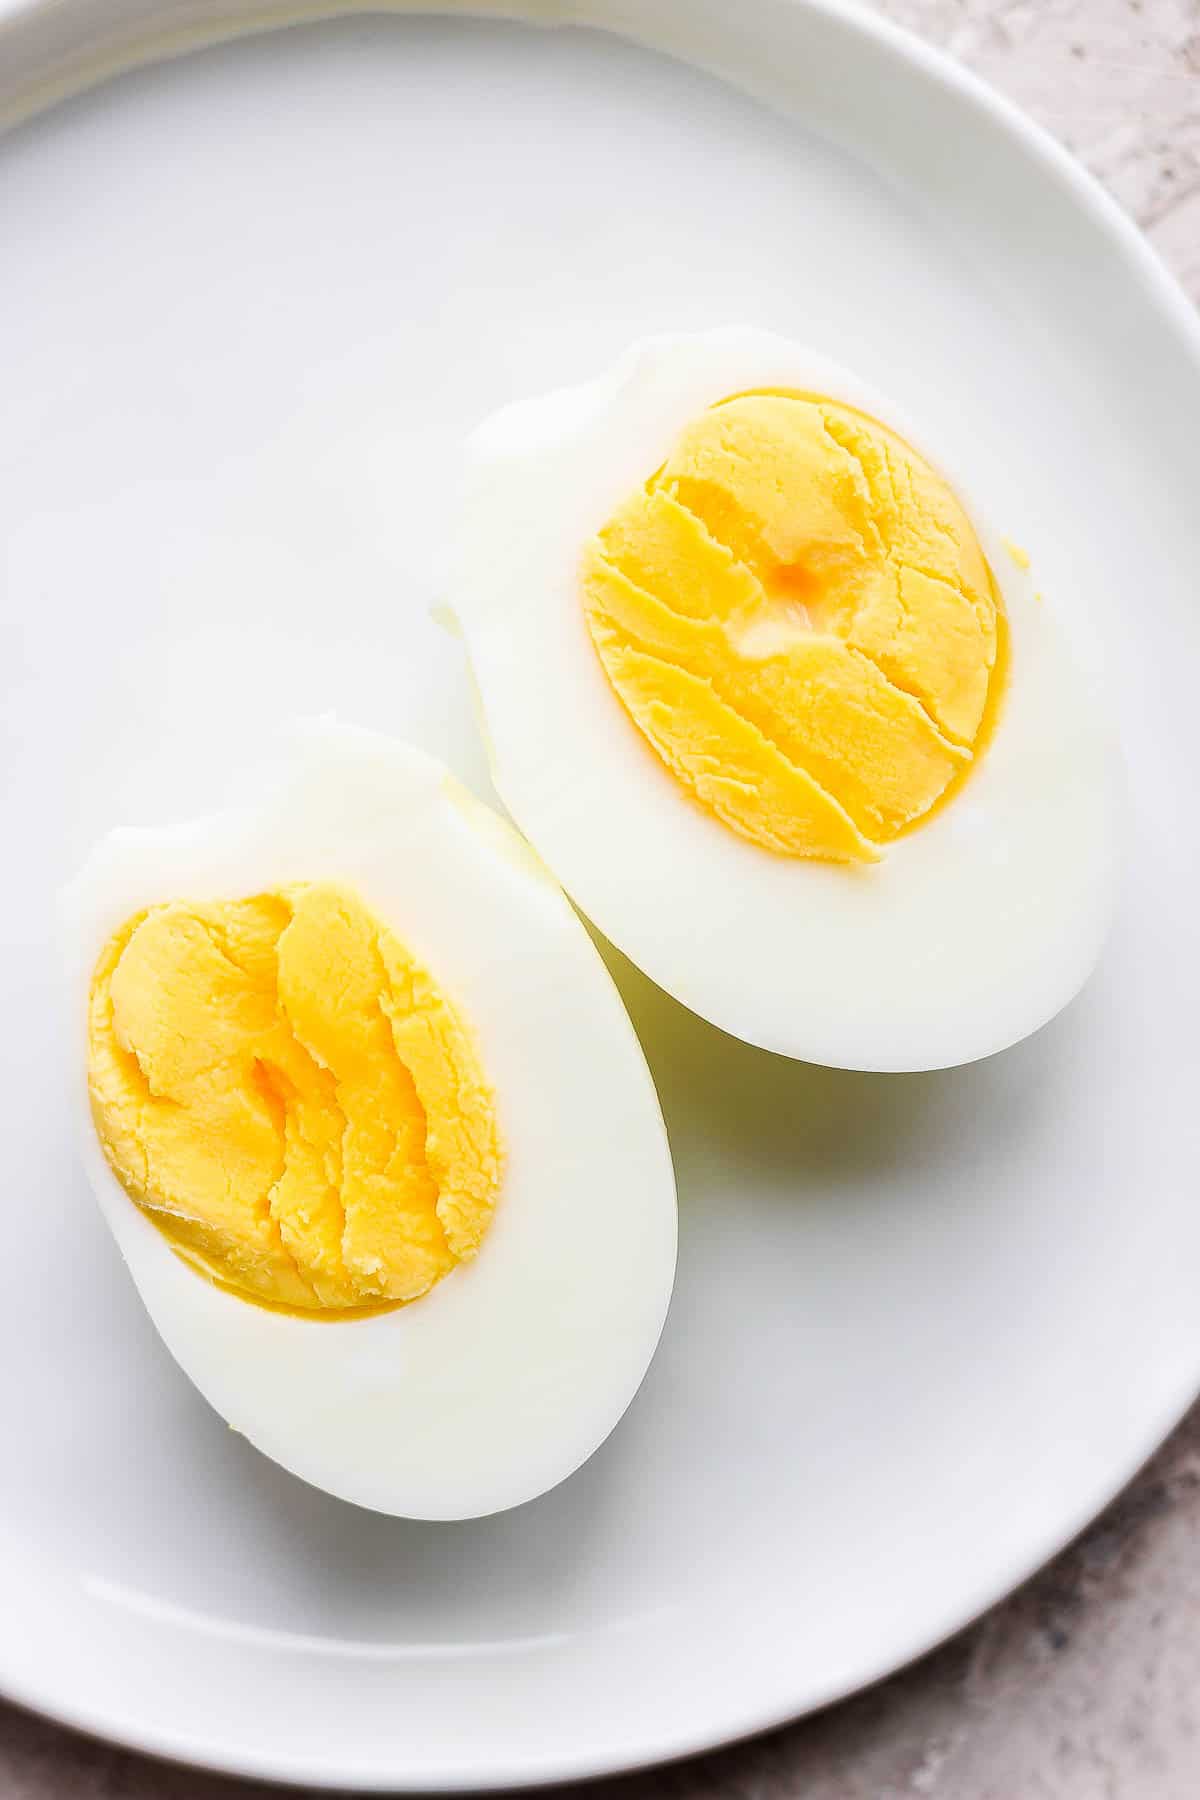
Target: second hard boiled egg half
[[780, 711], [372, 1130]]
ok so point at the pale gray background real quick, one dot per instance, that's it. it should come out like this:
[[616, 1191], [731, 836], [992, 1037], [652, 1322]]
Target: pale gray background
[[1085, 1685]]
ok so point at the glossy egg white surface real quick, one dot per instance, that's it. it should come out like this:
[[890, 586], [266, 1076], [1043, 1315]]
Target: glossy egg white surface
[[974, 929], [498, 1383]]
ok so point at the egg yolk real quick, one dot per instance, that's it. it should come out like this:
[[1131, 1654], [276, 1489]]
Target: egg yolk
[[796, 614], [288, 1094]]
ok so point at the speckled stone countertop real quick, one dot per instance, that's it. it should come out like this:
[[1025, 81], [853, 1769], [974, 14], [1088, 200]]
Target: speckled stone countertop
[[1086, 1684]]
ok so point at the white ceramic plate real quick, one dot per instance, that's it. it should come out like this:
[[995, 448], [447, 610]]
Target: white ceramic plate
[[924, 1325]]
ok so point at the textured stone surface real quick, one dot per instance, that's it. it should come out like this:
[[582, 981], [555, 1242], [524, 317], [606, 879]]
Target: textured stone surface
[[1117, 80], [1086, 1684]]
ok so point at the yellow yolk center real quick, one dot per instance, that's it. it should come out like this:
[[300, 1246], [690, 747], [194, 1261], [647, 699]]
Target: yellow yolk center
[[291, 1098], [796, 614]]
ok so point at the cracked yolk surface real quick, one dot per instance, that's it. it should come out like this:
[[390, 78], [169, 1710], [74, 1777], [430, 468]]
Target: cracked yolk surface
[[796, 614], [290, 1096]]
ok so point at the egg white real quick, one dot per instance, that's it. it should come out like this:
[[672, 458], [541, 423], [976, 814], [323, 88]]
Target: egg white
[[506, 1376], [972, 931]]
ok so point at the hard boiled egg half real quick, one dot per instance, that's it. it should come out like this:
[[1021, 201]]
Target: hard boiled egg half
[[371, 1128], [782, 714]]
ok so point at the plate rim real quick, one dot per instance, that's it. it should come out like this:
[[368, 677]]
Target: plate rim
[[1178, 315]]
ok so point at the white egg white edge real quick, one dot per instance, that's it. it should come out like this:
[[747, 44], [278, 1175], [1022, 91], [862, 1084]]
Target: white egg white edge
[[507, 1376], [973, 931]]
